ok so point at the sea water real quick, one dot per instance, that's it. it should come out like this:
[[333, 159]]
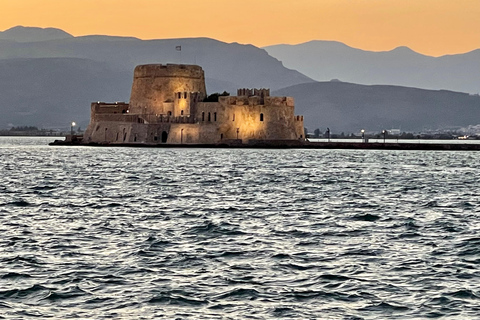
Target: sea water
[[136, 233]]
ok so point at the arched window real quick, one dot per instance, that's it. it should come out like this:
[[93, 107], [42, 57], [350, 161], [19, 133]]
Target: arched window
[[214, 116], [209, 118], [181, 112], [261, 116]]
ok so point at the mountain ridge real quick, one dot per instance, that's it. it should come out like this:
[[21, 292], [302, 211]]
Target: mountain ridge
[[33, 34], [241, 65], [325, 60]]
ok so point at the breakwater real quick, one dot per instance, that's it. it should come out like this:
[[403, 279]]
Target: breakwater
[[447, 145]]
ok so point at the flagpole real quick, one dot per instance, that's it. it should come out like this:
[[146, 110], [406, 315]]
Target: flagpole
[[179, 48]]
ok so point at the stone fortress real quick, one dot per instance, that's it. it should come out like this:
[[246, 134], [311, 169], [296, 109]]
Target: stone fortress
[[169, 105]]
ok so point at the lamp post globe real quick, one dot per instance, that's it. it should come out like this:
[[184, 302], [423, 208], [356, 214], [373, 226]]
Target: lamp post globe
[[73, 124]]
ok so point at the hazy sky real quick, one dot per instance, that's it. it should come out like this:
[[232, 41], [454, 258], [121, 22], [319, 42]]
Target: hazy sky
[[433, 27]]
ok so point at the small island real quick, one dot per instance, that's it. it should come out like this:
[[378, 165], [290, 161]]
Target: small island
[[169, 105]]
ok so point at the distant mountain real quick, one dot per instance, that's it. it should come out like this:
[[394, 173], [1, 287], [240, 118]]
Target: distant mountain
[[347, 107], [240, 65], [33, 34], [326, 60], [51, 92]]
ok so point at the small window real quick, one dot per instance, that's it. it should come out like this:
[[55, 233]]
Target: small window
[[181, 112], [261, 116], [221, 136], [169, 113], [185, 95], [209, 118], [203, 116], [214, 116]]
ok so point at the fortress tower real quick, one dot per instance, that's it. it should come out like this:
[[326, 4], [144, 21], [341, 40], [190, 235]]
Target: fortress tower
[[166, 89]]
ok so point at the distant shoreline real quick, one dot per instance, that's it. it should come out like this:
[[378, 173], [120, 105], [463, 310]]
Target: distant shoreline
[[31, 134]]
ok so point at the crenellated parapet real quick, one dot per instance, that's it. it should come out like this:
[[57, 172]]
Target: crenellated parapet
[[261, 94], [168, 70], [253, 92], [257, 100]]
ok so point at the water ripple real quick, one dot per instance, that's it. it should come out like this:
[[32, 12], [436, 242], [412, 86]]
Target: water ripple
[[126, 233]]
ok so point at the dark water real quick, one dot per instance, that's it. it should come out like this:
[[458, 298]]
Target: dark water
[[121, 233]]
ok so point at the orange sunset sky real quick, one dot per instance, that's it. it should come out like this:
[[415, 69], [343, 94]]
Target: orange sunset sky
[[432, 27]]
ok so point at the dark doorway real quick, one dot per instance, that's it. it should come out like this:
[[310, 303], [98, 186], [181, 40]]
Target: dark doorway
[[164, 136]]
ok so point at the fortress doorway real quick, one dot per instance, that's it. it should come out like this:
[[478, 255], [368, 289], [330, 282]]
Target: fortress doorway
[[164, 136]]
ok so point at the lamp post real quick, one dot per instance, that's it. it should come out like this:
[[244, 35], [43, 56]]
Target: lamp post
[[363, 135], [328, 134], [73, 124], [384, 135]]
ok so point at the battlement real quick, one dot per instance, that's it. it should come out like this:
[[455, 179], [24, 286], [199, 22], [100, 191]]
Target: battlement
[[257, 100], [168, 70], [253, 92]]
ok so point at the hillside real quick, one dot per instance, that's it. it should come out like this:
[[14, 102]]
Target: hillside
[[53, 92], [347, 107], [326, 60]]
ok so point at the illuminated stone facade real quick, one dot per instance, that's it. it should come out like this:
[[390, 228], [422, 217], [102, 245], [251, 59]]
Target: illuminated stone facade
[[167, 107]]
